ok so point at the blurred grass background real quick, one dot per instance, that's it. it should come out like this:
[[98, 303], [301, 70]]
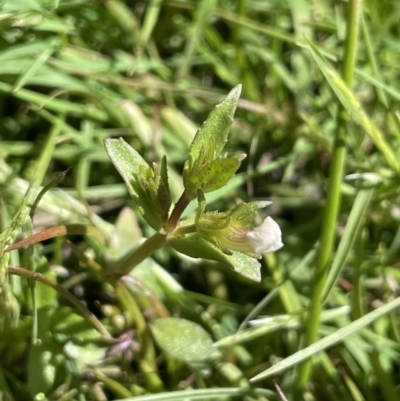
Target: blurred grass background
[[74, 72]]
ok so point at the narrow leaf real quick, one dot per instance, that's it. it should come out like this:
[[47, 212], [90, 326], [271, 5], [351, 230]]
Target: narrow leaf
[[353, 226], [217, 125], [127, 161], [209, 143], [328, 341], [195, 246], [57, 231], [354, 108], [139, 179], [191, 394], [163, 192]]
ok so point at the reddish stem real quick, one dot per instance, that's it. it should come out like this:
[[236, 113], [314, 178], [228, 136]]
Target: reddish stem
[[179, 208]]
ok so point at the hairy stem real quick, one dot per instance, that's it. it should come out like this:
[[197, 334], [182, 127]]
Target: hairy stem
[[179, 208]]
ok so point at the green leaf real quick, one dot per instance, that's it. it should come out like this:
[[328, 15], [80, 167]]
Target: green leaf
[[8, 303], [326, 342], [217, 125], [148, 187], [42, 368], [245, 213], [351, 104], [214, 175], [354, 224], [182, 339], [208, 144], [128, 162], [163, 192], [192, 395], [195, 246]]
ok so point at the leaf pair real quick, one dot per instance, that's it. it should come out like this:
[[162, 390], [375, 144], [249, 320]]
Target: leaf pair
[[207, 167], [148, 186]]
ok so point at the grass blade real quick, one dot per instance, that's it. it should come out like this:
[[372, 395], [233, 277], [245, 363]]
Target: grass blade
[[328, 341], [353, 227]]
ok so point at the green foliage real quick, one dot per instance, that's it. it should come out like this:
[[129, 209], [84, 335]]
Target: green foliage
[[182, 339], [196, 246], [206, 168], [148, 187], [86, 316], [150, 190]]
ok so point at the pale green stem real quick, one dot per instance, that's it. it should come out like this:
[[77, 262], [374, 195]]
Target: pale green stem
[[138, 255], [154, 243], [333, 196]]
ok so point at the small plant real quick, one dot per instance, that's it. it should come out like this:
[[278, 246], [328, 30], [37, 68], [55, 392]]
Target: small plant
[[220, 236], [105, 316]]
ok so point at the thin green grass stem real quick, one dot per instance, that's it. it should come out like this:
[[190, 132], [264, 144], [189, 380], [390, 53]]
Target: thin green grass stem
[[287, 292], [150, 20], [328, 341], [35, 276], [333, 196], [351, 233], [381, 93], [257, 310], [202, 15], [191, 394]]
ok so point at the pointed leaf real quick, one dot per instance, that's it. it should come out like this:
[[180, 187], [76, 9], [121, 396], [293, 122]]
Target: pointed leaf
[[326, 342], [139, 179], [354, 108], [163, 192], [209, 143], [128, 162], [206, 155], [213, 175], [195, 246], [246, 212], [217, 125]]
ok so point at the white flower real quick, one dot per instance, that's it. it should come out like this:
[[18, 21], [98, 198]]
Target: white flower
[[265, 238]]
